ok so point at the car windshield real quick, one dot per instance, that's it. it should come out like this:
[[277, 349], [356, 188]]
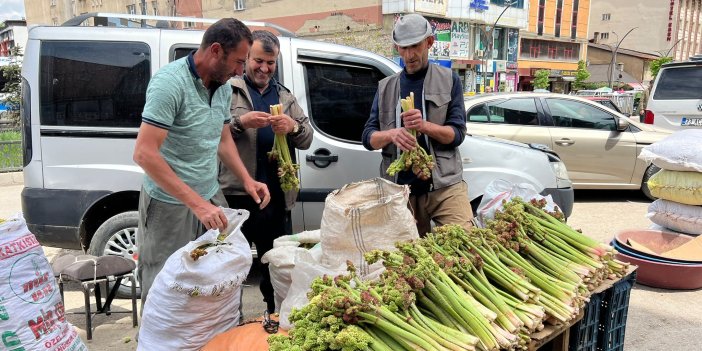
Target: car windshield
[[679, 83]]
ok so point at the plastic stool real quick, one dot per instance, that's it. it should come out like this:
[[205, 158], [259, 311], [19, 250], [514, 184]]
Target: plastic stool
[[90, 271]]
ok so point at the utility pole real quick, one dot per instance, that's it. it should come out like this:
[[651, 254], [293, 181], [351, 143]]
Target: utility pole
[[614, 56], [488, 32]]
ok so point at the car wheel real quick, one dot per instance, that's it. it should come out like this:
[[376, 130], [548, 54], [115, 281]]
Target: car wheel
[[650, 171], [117, 236]]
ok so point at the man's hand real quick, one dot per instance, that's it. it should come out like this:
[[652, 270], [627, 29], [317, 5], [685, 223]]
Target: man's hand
[[255, 119], [259, 192], [282, 124], [412, 119], [210, 215], [403, 139]]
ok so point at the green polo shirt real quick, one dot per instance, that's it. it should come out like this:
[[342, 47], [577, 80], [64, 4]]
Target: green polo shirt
[[176, 100]]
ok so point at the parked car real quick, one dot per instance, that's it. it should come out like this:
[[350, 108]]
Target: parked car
[[598, 145], [84, 91], [675, 101]]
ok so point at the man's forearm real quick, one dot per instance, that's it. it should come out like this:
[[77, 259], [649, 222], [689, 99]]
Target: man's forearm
[[443, 134], [380, 139]]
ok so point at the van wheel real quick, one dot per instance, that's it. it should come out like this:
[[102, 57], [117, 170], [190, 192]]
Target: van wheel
[[644, 184], [117, 236]]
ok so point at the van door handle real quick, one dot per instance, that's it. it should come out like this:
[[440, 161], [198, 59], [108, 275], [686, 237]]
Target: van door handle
[[322, 158], [565, 142]]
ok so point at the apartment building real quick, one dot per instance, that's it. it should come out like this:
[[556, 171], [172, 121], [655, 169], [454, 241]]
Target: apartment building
[[659, 27], [555, 40], [13, 34], [56, 12]]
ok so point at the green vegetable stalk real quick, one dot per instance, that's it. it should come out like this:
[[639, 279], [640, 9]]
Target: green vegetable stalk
[[417, 159], [287, 170]]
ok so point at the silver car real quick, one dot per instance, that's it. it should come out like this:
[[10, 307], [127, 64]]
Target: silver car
[[598, 145]]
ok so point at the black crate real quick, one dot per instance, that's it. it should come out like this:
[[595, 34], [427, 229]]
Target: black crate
[[613, 312], [583, 335]]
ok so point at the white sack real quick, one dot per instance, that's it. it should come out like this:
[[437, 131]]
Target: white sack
[[680, 151], [501, 190], [676, 216], [32, 315], [306, 269], [192, 301], [281, 260], [361, 217]]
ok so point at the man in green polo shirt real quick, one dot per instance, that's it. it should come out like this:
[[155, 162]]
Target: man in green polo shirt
[[180, 138]]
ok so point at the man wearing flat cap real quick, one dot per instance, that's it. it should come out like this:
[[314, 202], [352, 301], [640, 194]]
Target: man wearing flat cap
[[438, 118]]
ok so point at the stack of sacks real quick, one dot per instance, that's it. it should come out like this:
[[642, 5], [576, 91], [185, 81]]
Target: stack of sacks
[[678, 185]]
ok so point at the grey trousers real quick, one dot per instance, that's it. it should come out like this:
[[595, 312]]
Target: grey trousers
[[163, 229]]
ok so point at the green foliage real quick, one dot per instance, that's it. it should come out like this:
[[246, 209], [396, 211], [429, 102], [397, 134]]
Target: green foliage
[[10, 151], [541, 79], [657, 63], [581, 76], [13, 87]]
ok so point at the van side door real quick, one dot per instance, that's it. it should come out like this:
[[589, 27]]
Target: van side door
[[336, 90]]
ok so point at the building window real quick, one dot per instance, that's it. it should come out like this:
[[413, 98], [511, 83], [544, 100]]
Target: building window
[[559, 16], [540, 25], [154, 5], [604, 35], [574, 21], [552, 50], [131, 9], [606, 16], [239, 5]]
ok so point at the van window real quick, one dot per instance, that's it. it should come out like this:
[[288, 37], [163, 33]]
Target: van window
[[341, 97], [93, 84], [679, 83]]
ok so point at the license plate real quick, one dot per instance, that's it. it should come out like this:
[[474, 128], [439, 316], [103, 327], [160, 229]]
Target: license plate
[[691, 122]]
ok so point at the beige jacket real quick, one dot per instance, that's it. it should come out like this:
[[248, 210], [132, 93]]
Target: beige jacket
[[245, 139]]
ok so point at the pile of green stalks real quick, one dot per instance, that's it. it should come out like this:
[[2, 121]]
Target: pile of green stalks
[[484, 289]]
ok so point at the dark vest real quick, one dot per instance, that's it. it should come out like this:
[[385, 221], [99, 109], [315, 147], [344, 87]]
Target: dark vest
[[437, 95]]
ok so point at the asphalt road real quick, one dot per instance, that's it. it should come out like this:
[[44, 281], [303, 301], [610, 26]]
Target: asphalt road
[[657, 319]]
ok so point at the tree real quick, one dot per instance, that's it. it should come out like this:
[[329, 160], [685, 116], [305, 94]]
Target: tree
[[581, 75], [657, 63], [12, 74], [541, 79]]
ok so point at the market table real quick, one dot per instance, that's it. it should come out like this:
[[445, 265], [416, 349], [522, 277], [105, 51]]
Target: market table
[[559, 335]]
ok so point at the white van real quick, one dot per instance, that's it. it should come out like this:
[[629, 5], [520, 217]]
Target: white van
[[675, 101], [84, 91]]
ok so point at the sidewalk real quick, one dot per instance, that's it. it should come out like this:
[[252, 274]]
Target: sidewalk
[[11, 178]]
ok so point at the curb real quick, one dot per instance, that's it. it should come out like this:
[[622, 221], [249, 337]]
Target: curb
[[11, 178]]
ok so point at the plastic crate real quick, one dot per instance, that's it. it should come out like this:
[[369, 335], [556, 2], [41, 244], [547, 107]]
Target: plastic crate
[[613, 312], [583, 335]]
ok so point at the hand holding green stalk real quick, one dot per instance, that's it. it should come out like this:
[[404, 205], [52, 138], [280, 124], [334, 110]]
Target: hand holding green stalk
[[416, 159], [287, 170]]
